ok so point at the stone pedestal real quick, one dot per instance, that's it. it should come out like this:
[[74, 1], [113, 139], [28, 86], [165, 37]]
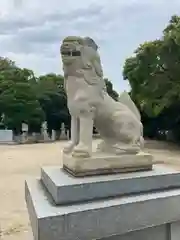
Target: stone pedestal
[[100, 163], [126, 206]]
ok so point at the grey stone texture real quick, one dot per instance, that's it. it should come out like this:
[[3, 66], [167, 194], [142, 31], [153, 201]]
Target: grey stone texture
[[65, 188], [153, 233], [175, 231], [102, 219], [170, 231], [90, 105]]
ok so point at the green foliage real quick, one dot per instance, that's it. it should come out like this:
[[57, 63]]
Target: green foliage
[[154, 70], [53, 100], [18, 101], [154, 76]]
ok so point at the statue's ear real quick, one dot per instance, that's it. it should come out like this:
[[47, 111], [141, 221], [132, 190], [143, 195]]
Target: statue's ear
[[91, 43]]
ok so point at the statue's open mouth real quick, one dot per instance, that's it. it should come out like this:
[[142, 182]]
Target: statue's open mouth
[[71, 53]]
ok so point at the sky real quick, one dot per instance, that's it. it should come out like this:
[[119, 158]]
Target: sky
[[31, 31]]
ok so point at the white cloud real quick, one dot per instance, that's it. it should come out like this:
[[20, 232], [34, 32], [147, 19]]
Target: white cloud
[[31, 30]]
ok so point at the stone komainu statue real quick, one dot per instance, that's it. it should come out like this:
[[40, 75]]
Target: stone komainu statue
[[119, 123]]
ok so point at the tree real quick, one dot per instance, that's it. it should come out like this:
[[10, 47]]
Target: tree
[[146, 77], [18, 101], [153, 73], [53, 100]]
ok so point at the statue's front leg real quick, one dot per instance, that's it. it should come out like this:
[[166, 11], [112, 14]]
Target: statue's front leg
[[84, 148], [74, 135]]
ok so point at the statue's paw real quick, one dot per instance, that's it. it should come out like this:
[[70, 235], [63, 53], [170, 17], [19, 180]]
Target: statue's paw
[[126, 149], [118, 148], [68, 148], [81, 151]]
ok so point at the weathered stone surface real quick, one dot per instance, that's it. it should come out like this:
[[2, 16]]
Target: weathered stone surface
[[106, 163], [175, 231], [118, 122], [65, 188], [153, 233], [98, 219]]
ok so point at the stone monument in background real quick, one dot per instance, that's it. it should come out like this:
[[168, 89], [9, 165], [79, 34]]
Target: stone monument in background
[[63, 135], [24, 136], [44, 132], [53, 136], [6, 136], [98, 194]]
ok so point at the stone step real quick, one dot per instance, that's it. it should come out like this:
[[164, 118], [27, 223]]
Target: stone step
[[64, 188]]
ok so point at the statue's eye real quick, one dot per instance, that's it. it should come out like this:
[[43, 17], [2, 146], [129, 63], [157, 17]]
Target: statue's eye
[[76, 53], [67, 53]]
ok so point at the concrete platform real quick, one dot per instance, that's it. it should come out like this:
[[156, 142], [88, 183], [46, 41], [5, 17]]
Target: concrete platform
[[65, 188], [101, 219]]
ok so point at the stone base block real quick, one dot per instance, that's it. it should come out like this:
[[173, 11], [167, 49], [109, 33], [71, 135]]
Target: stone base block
[[65, 188], [106, 164], [106, 219]]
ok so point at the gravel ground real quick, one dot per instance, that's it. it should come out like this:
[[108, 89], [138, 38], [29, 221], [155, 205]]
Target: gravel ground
[[21, 161]]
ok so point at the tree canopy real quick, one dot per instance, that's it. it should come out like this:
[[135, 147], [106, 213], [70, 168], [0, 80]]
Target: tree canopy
[[154, 76], [53, 100], [18, 101]]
